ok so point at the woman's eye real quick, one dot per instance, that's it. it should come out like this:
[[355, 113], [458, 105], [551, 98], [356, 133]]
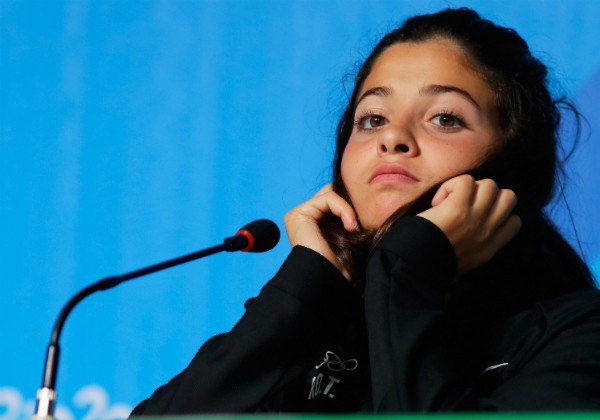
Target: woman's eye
[[370, 122], [446, 120]]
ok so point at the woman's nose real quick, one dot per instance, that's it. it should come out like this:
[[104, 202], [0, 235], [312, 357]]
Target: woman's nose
[[396, 140]]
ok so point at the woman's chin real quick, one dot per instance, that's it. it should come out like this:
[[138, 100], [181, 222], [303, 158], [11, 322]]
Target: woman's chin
[[375, 221], [374, 209]]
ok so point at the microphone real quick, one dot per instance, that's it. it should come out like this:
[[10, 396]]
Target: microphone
[[257, 236]]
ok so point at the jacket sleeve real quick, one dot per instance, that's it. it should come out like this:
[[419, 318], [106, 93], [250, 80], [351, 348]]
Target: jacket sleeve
[[413, 363], [234, 372], [406, 281]]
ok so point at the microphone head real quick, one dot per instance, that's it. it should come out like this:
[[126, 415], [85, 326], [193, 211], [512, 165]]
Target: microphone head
[[262, 235]]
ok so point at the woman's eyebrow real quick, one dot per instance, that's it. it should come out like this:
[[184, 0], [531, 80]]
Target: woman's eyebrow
[[377, 91], [438, 89]]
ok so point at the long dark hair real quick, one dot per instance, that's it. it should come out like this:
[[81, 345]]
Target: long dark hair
[[529, 119]]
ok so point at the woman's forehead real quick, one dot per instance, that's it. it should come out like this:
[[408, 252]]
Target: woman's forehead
[[415, 65]]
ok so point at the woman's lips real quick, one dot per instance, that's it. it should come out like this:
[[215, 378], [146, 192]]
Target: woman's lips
[[392, 173]]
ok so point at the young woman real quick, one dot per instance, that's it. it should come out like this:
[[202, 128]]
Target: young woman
[[426, 277]]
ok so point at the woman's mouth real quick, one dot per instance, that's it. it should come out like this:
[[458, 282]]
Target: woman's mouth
[[392, 173]]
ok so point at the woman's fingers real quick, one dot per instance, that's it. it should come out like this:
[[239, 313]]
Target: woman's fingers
[[503, 205], [506, 231], [302, 222], [485, 195], [326, 188], [327, 201], [461, 186], [476, 216]]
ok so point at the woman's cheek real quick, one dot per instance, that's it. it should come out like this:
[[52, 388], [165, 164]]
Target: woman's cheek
[[351, 162]]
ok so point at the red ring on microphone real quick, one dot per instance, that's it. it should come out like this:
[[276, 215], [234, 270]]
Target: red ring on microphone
[[248, 236]]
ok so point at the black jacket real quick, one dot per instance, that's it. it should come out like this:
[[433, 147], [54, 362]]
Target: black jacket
[[413, 340]]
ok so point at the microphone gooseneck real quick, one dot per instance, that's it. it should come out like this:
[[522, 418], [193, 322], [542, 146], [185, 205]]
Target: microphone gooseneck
[[257, 236]]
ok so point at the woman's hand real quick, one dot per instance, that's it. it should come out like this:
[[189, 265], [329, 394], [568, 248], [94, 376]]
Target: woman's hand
[[302, 223], [476, 217]]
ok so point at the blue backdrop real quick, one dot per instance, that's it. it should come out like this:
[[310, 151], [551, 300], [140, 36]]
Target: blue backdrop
[[135, 131]]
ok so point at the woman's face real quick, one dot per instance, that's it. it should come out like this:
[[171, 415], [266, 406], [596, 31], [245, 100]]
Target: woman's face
[[423, 115]]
